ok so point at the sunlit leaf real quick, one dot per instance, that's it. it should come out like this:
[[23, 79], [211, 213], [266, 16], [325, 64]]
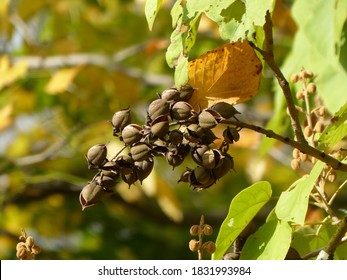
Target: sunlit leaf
[[230, 73], [243, 208], [8, 73], [293, 203], [61, 80], [270, 242], [151, 10], [335, 132]]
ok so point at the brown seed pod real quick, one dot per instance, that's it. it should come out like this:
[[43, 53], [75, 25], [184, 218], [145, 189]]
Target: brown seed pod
[[140, 151], [158, 107], [186, 92], [311, 88], [181, 110], [105, 181], [194, 230], [194, 245], [209, 246], [160, 126], [171, 94], [226, 166], [207, 229], [294, 78], [212, 159], [130, 178], [125, 164], [91, 194], [208, 119], [308, 131], [175, 136], [96, 155], [174, 157], [132, 133], [226, 110], [36, 249], [231, 135], [197, 153], [144, 168], [120, 120], [193, 133]]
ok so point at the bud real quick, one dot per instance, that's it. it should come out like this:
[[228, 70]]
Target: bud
[[208, 230], [194, 230], [194, 245], [209, 246]]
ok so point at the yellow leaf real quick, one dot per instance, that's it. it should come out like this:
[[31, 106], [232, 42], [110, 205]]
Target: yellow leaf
[[230, 73], [9, 74], [61, 80], [6, 116]]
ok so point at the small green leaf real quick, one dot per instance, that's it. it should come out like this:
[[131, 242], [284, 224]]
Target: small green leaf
[[270, 242], [293, 203], [191, 33], [176, 12], [338, 130], [243, 208], [151, 10], [181, 72]]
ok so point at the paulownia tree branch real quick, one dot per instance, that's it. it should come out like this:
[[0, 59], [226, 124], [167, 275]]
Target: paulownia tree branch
[[268, 56], [303, 147]]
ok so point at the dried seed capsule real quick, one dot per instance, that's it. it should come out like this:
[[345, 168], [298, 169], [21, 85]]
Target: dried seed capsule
[[120, 120], [208, 230], [171, 94], [311, 88], [91, 194], [225, 167], [140, 151], [174, 157], [186, 92], [202, 175], [294, 78], [194, 230], [96, 155], [125, 164], [308, 131], [212, 159], [198, 151], [144, 168], [160, 126], [231, 135], [186, 176], [193, 133], [194, 245], [181, 110], [175, 136], [295, 164], [105, 181], [29, 241], [319, 127], [158, 107], [130, 178], [209, 246], [226, 110], [207, 119], [131, 134]]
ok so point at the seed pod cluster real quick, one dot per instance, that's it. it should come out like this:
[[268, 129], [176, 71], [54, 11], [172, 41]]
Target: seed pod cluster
[[26, 248], [172, 129]]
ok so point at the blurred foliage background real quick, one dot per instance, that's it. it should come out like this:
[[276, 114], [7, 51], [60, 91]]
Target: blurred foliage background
[[65, 67]]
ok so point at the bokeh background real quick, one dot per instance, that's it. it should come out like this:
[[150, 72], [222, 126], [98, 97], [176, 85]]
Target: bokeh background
[[65, 67]]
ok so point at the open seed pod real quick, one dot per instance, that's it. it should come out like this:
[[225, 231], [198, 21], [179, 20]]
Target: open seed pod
[[198, 151], [209, 118], [231, 135], [227, 164], [125, 164], [212, 159]]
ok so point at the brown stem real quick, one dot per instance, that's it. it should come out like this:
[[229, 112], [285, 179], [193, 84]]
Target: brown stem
[[268, 56], [301, 146]]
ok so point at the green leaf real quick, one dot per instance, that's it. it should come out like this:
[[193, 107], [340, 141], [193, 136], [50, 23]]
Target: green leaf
[[293, 203], [243, 208], [191, 33], [176, 12], [151, 10], [181, 73], [270, 242], [335, 132]]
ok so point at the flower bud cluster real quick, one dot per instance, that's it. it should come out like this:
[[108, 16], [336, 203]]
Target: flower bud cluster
[[172, 129], [26, 248]]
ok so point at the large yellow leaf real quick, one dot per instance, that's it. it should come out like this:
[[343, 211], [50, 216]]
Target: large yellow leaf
[[61, 80], [230, 73]]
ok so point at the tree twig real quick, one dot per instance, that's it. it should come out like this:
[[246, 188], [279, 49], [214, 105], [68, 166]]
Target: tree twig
[[301, 146], [268, 56]]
